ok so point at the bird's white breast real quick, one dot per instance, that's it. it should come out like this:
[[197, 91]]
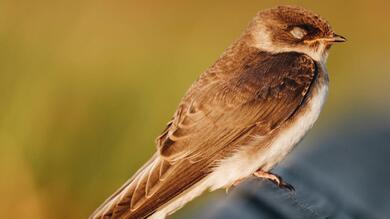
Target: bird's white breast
[[244, 163]]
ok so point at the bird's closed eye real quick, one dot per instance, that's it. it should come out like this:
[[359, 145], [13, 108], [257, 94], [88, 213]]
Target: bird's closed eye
[[298, 32]]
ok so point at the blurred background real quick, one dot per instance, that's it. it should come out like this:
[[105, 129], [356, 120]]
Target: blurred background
[[86, 86]]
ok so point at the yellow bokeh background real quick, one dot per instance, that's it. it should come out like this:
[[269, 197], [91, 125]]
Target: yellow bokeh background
[[86, 86]]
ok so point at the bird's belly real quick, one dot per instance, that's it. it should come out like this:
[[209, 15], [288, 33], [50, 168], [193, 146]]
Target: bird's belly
[[245, 162], [253, 157]]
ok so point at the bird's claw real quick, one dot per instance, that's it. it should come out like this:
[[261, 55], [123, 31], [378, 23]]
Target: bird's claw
[[275, 179]]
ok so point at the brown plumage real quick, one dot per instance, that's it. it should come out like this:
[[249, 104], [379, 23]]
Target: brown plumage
[[250, 91]]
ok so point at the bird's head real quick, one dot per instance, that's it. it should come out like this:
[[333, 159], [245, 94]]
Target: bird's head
[[288, 28]]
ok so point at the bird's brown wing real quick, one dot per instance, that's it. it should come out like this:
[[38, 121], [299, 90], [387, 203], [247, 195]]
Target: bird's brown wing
[[265, 91], [214, 118]]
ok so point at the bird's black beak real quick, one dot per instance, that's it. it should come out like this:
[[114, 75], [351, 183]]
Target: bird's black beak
[[334, 38], [338, 38]]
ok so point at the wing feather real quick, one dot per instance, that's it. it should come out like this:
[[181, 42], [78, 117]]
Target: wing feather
[[223, 109], [263, 93]]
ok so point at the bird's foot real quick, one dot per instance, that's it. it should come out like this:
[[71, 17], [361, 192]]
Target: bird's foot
[[275, 179]]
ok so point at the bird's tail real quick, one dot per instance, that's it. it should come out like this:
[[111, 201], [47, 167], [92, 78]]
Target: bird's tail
[[155, 185], [120, 202]]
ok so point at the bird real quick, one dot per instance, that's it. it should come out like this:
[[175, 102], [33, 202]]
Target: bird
[[239, 118]]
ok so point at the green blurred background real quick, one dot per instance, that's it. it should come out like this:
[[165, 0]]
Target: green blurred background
[[86, 86]]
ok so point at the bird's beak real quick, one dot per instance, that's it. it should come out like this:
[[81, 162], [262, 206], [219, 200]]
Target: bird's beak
[[335, 39]]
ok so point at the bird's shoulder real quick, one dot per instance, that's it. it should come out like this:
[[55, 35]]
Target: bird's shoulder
[[235, 93]]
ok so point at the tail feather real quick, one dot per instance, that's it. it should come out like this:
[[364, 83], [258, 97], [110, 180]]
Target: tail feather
[[130, 195], [153, 187]]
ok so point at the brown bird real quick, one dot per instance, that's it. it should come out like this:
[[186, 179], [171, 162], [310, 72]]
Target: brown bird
[[242, 116]]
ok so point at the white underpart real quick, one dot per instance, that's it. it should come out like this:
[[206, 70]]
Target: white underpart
[[244, 163]]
